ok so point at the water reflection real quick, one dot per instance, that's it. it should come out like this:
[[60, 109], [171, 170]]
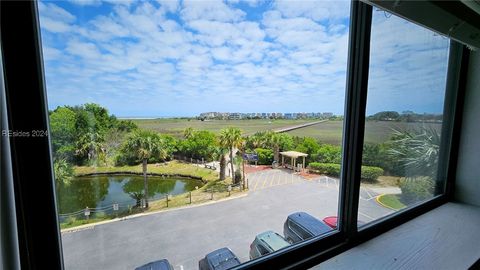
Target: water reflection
[[99, 191]]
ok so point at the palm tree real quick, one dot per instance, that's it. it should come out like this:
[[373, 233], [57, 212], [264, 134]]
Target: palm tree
[[219, 154], [417, 151], [231, 138], [256, 140], [91, 145], [274, 140], [144, 144]]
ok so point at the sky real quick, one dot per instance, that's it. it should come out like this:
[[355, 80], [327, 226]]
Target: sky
[[182, 58]]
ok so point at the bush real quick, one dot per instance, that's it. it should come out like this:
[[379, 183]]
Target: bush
[[329, 154], [416, 189], [370, 173], [265, 156], [331, 169]]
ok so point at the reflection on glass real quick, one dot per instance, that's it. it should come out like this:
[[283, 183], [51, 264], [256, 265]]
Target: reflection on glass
[[404, 117]]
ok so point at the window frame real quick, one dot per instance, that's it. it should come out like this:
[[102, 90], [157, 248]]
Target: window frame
[[36, 200]]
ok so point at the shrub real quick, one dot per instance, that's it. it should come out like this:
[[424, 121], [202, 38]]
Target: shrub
[[370, 173], [416, 189], [331, 169], [328, 153], [265, 156], [71, 220]]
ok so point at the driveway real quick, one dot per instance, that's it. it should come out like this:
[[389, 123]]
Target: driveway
[[184, 236]]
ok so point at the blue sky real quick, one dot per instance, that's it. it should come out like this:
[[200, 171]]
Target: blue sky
[[181, 58]]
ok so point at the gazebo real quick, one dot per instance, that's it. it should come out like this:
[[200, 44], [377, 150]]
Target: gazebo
[[293, 155]]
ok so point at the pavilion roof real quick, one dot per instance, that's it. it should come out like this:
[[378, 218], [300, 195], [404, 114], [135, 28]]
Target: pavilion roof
[[293, 154]]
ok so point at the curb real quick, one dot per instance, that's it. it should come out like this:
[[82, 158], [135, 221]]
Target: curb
[[92, 225], [377, 199]]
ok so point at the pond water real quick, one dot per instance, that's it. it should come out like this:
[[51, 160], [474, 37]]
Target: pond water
[[105, 190]]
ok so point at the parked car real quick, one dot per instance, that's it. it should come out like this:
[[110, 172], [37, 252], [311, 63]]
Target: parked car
[[267, 242], [300, 226], [332, 222], [220, 259], [156, 265]]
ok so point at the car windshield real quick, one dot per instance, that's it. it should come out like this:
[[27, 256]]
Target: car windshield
[[226, 263]]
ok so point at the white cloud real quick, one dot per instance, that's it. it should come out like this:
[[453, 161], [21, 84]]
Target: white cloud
[[315, 10], [215, 10], [54, 18], [87, 2], [407, 72], [201, 56], [170, 5], [84, 50], [54, 26], [51, 54], [55, 12]]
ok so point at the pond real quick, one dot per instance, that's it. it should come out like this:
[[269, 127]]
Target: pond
[[104, 190]]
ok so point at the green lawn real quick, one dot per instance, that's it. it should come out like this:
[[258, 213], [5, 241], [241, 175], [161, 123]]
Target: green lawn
[[173, 167], [391, 201]]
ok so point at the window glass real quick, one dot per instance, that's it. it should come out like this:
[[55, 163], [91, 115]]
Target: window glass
[[182, 129], [262, 250], [406, 90]]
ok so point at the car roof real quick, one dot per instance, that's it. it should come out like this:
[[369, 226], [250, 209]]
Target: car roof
[[273, 240], [222, 259], [156, 265], [311, 224]]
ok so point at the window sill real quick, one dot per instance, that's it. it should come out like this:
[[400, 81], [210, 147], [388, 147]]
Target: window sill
[[444, 238]]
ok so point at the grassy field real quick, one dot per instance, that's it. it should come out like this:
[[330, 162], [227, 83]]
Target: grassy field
[[327, 132], [176, 126], [375, 131]]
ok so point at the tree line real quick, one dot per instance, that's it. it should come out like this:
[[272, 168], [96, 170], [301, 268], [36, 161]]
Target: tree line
[[405, 116]]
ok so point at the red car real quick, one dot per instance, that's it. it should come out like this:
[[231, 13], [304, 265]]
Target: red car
[[332, 222]]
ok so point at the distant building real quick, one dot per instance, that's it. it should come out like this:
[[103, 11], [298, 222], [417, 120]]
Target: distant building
[[234, 116], [270, 115]]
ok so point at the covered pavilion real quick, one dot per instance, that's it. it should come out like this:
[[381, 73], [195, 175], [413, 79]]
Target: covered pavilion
[[293, 155]]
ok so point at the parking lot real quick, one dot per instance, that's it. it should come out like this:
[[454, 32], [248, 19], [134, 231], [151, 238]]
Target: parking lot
[[184, 236]]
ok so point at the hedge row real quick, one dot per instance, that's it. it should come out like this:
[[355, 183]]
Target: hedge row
[[368, 173]]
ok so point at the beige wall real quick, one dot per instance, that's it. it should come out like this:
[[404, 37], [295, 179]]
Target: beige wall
[[467, 188]]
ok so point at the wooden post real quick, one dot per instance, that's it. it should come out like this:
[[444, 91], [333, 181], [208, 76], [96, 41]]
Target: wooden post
[[167, 199], [190, 197], [303, 163], [211, 198], [243, 174]]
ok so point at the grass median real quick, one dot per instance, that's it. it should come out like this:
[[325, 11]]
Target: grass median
[[391, 201]]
